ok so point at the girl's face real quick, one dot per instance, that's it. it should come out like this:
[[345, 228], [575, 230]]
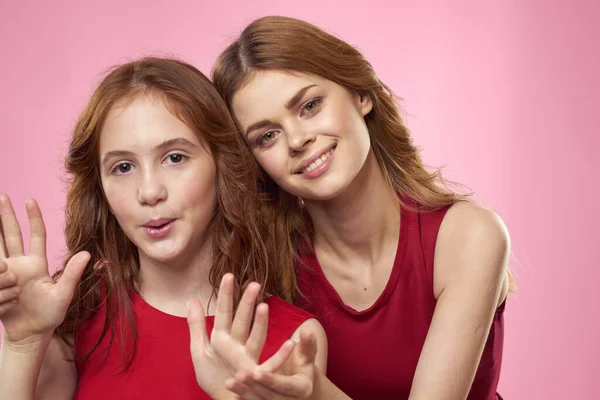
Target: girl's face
[[159, 180], [308, 133]]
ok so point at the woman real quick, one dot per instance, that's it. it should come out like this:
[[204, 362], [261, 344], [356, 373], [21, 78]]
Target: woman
[[160, 209], [407, 277]]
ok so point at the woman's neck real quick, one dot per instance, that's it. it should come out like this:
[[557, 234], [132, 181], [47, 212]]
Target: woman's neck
[[361, 221]]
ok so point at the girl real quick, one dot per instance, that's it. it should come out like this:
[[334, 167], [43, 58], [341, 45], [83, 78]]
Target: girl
[[161, 207], [408, 279]]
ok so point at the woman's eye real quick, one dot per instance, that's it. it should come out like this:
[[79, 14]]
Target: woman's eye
[[311, 105], [267, 137]]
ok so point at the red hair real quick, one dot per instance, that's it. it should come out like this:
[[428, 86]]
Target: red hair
[[288, 44], [238, 247]]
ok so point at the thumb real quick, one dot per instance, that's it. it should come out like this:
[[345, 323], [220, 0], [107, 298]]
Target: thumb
[[197, 325], [72, 274], [307, 347]]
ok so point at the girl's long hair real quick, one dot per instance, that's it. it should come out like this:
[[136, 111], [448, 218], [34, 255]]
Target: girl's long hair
[[238, 231]]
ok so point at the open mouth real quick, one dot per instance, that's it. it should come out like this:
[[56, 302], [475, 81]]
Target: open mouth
[[316, 163]]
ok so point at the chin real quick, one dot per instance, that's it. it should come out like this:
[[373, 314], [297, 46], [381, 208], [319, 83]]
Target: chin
[[162, 254], [326, 190], [161, 257]]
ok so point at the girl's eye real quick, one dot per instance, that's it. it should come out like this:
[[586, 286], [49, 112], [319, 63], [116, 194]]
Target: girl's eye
[[175, 158], [267, 137], [122, 168]]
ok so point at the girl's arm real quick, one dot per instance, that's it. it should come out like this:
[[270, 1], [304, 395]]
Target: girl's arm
[[28, 346], [37, 370]]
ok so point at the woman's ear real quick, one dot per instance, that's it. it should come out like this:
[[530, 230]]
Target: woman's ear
[[366, 104]]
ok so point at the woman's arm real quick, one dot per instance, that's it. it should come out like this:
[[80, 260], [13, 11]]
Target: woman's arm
[[470, 282]]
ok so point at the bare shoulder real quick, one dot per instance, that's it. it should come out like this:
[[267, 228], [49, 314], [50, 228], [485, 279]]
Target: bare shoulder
[[468, 219], [316, 330], [472, 246], [58, 374]]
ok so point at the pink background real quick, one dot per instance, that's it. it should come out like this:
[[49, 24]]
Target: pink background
[[504, 94]]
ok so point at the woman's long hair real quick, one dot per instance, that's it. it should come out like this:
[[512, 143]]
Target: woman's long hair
[[286, 44]]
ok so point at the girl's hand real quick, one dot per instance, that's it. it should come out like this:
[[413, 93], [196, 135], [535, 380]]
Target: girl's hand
[[40, 302]]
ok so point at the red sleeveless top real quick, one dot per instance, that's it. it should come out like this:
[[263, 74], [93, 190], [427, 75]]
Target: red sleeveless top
[[373, 353], [162, 366]]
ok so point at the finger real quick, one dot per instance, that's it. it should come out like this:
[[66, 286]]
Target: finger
[[4, 307], [3, 251], [72, 274], [258, 335], [7, 295], [248, 380], [12, 231], [224, 312], [7, 278], [241, 390], [291, 386], [307, 347], [243, 315], [37, 229], [99, 266], [197, 326], [276, 361]]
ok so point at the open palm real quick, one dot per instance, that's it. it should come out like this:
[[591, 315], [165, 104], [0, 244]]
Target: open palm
[[43, 301], [234, 347]]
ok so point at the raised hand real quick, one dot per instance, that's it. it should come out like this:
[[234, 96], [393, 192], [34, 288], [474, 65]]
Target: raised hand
[[229, 349], [9, 290], [292, 378], [41, 302]]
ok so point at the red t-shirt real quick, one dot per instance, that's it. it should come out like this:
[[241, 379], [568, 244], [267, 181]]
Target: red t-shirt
[[162, 367], [373, 353]]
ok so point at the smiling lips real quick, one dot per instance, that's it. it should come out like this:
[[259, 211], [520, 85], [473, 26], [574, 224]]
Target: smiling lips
[[316, 166], [159, 228]]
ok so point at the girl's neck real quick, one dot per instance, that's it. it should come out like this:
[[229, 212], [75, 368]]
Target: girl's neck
[[168, 286]]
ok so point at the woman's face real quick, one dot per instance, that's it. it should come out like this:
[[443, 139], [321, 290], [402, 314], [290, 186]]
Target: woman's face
[[308, 133]]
